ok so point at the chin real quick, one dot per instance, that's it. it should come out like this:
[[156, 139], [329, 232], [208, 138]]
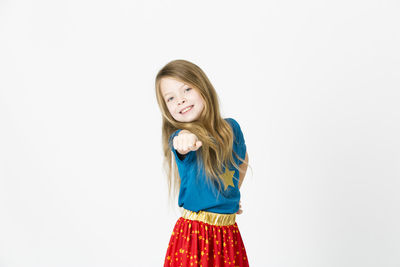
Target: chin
[[185, 120]]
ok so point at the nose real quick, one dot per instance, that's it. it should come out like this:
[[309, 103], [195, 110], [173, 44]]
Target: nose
[[181, 101]]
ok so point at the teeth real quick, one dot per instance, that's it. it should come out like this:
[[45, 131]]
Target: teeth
[[186, 109]]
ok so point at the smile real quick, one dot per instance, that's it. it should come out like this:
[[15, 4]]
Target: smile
[[186, 109]]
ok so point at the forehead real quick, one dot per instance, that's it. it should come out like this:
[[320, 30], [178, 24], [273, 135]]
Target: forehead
[[170, 85]]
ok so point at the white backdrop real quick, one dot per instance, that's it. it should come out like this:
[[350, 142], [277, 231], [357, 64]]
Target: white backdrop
[[315, 86]]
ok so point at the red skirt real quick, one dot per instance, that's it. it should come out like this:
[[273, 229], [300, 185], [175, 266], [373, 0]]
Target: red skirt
[[206, 241]]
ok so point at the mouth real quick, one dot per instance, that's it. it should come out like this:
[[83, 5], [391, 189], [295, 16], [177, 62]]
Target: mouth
[[183, 111]]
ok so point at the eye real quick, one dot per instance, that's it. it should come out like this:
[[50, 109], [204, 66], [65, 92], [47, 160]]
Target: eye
[[187, 89], [170, 98]]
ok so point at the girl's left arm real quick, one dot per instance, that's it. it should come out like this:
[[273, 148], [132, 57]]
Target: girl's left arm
[[243, 169]]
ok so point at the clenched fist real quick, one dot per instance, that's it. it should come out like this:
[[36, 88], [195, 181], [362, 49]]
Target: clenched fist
[[185, 142]]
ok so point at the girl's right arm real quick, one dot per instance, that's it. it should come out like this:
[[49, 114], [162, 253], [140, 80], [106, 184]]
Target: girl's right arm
[[185, 142]]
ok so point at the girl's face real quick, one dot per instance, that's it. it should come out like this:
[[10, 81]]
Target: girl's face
[[184, 103]]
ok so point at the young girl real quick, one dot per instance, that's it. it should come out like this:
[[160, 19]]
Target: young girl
[[210, 155]]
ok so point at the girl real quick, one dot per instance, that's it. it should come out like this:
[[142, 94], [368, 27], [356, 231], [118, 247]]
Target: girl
[[207, 156]]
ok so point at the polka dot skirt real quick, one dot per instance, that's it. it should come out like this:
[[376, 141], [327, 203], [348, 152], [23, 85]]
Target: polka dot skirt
[[195, 243]]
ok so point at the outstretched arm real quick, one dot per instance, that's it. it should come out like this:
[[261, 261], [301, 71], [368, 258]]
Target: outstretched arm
[[185, 142]]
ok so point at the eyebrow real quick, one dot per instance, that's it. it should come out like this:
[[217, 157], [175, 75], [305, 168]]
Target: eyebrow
[[167, 93]]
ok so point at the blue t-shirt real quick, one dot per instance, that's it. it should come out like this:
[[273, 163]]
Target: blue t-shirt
[[197, 194]]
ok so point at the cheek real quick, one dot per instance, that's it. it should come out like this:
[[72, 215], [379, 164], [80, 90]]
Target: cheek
[[170, 109], [201, 101], [202, 105]]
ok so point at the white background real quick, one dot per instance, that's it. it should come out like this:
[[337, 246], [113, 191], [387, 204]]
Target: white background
[[315, 86]]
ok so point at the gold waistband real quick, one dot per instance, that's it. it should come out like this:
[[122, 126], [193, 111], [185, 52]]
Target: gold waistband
[[209, 217]]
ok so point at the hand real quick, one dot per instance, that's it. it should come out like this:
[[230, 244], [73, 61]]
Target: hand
[[185, 142], [240, 211]]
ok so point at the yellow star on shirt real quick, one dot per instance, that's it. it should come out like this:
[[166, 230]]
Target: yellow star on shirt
[[228, 178]]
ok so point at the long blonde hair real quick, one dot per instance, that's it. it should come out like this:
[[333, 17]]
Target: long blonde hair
[[211, 129]]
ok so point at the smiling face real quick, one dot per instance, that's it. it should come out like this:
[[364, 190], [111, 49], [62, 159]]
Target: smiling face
[[184, 103]]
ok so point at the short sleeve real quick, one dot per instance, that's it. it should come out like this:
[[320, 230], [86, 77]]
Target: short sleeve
[[239, 142]]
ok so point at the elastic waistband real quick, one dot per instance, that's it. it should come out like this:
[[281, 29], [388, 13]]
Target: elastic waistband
[[212, 218]]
